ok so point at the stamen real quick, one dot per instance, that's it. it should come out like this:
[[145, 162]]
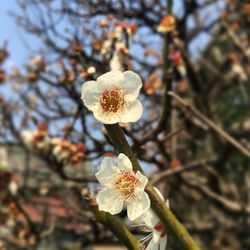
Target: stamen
[[138, 225], [146, 238], [126, 183], [112, 101]]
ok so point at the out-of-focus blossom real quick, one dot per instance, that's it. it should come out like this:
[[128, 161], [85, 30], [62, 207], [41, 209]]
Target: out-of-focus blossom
[[38, 139], [13, 212], [97, 45], [67, 128], [130, 28], [32, 101], [1, 100], [230, 2], [3, 55], [110, 16], [88, 72], [4, 162], [120, 58], [247, 8], [83, 73], [32, 76], [223, 14], [68, 152], [73, 61], [106, 48], [38, 62], [121, 185], [177, 60], [103, 23], [182, 86], [109, 154], [76, 47], [153, 83], [2, 75], [59, 64], [242, 126], [113, 97], [234, 26], [149, 52], [238, 70], [15, 72], [117, 33], [14, 184], [44, 189], [91, 70], [116, 62], [175, 164], [67, 77], [167, 24], [27, 137], [61, 149]]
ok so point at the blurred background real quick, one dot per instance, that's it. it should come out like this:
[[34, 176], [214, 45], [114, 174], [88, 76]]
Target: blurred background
[[195, 146]]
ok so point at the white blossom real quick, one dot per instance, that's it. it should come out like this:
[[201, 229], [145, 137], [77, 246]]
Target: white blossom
[[13, 188], [27, 137], [113, 97], [91, 70], [158, 230], [120, 57], [121, 185], [4, 163]]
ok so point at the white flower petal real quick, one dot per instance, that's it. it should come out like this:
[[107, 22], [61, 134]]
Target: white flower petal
[[150, 219], [133, 113], [153, 245], [159, 193], [115, 63], [90, 94], [106, 118], [110, 201], [163, 242], [132, 85], [124, 163], [143, 181], [110, 79], [157, 242], [167, 203], [156, 235], [106, 174], [138, 205]]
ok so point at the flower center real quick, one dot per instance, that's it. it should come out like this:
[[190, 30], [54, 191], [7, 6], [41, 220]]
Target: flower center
[[112, 101], [126, 183]]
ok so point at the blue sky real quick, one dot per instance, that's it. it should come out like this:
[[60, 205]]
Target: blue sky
[[9, 32], [14, 35]]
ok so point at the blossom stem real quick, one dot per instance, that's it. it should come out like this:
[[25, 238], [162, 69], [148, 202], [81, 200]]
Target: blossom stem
[[167, 217], [121, 145], [115, 225]]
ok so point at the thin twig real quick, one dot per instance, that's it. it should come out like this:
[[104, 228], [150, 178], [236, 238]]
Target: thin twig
[[211, 124], [157, 177]]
